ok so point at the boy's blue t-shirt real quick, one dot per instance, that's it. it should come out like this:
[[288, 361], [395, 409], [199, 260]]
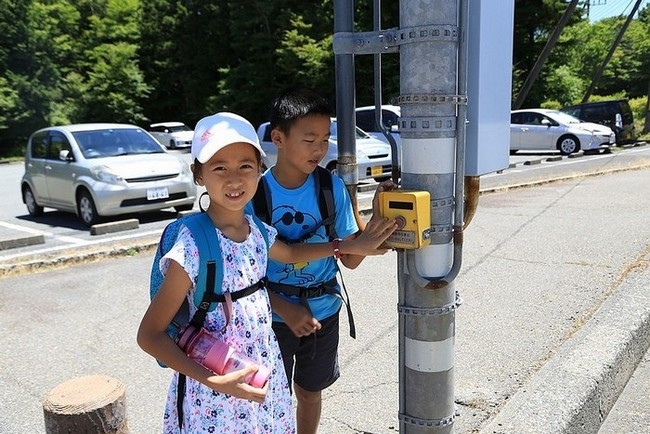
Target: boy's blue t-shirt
[[295, 213]]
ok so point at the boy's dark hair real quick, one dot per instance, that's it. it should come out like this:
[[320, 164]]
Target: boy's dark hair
[[295, 102]]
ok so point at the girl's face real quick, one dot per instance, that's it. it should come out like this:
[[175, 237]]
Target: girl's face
[[230, 176], [305, 145]]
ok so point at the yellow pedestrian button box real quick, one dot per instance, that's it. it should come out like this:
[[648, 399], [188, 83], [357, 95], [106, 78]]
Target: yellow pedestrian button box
[[412, 211]]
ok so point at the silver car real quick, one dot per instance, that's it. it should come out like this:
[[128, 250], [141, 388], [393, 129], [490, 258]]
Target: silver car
[[390, 115], [172, 134], [97, 170], [373, 156], [543, 129]]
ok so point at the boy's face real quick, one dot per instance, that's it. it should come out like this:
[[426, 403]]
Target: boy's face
[[231, 175], [304, 145]]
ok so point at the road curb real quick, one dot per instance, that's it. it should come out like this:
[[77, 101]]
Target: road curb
[[76, 255], [21, 241], [575, 390]]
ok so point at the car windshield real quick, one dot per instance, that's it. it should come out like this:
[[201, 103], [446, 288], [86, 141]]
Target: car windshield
[[360, 133], [113, 142], [564, 118]]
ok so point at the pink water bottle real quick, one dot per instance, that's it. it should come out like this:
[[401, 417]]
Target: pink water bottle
[[218, 356]]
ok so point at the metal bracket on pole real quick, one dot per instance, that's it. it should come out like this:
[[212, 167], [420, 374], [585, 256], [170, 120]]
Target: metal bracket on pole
[[430, 98], [428, 126], [435, 423], [441, 282], [388, 41], [431, 311]]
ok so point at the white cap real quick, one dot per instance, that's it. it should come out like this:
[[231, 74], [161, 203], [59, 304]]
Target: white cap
[[219, 130]]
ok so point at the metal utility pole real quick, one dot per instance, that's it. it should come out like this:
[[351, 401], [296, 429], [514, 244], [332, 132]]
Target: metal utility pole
[[539, 63], [432, 42], [427, 297], [619, 36], [345, 100]]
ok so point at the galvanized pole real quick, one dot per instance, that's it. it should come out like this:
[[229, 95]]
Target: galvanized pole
[[346, 101], [429, 35]]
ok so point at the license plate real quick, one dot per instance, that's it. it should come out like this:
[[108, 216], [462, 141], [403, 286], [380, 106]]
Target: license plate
[[376, 170], [157, 193]]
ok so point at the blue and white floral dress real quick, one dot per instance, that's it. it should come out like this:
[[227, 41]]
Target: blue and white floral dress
[[249, 332]]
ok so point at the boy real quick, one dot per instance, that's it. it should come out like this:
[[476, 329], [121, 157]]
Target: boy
[[305, 297]]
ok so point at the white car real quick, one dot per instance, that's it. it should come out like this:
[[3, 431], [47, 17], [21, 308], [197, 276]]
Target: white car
[[543, 130], [97, 170], [172, 134], [389, 117], [373, 156]]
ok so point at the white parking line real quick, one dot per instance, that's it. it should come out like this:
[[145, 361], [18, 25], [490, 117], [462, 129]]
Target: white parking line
[[24, 229], [72, 242]]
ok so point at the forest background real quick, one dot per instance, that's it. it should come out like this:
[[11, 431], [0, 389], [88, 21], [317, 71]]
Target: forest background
[[144, 61]]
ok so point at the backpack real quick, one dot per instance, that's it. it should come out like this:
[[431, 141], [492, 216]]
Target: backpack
[[210, 276], [263, 208], [263, 205]]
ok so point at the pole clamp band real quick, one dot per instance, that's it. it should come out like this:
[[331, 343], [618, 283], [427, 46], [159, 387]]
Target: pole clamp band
[[436, 423], [430, 98], [431, 311]]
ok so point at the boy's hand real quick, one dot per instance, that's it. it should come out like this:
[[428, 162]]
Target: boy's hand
[[300, 320], [384, 186]]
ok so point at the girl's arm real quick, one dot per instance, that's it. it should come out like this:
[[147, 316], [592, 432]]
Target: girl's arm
[[153, 339], [367, 243], [353, 261]]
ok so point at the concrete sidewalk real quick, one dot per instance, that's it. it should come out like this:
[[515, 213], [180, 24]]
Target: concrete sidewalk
[[576, 389]]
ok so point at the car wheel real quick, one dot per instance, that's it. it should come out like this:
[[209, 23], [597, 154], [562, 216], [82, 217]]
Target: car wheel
[[86, 208], [332, 168], [181, 208], [568, 145], [172, 144], [33, 208]]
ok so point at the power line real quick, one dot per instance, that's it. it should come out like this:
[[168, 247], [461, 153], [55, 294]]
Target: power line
[[601, 9]]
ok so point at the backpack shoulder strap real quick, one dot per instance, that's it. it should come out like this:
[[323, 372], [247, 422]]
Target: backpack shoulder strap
[[325, 190], [210, 277], [262, 229], [262, 204]]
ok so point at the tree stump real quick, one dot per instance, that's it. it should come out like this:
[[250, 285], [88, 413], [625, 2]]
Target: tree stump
[[94, 404]]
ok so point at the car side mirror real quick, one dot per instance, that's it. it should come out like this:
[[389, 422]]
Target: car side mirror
[[546, 122], [65, 155], [394, 129]]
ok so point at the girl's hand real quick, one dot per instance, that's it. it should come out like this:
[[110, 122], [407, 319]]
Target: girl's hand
[[234, 384], [369, 242]]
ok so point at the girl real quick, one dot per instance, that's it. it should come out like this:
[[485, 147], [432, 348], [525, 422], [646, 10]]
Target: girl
[[227, 162]]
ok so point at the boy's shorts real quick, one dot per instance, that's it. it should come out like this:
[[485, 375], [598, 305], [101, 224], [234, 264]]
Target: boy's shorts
[[312, 361]]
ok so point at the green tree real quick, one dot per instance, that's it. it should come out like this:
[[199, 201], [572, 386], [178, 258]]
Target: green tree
[[533, 24], [108, 77]]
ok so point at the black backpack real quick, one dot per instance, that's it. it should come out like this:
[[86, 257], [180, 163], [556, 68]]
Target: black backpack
[[323, 182], [263, 208]]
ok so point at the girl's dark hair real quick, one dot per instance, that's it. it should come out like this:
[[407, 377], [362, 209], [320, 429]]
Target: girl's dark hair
[[294, 103]]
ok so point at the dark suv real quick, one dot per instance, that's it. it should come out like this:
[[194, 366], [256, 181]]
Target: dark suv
[[615, 114]]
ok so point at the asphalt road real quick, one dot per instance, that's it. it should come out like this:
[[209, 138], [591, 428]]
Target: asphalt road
[[538, 265]]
